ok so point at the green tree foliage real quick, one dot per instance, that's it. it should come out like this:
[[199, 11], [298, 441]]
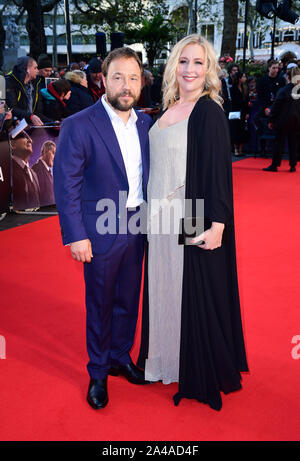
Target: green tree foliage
[[116, 15], [154, 34], [180, 21]]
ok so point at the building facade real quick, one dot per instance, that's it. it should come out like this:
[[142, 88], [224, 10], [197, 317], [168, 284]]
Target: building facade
[[209, 24]]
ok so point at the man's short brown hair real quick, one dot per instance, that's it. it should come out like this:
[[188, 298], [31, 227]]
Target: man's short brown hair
[[118, 53], [272, 62]]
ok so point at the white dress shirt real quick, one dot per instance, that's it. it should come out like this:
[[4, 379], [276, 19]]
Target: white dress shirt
[[46, 166], [129, 143]]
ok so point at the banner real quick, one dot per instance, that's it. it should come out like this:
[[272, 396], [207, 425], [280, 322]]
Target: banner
[[5, 173], [33, 152]]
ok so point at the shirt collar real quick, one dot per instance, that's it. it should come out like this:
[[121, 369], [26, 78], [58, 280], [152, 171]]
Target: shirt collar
[[45, 164], [114, 116], [20, 162]]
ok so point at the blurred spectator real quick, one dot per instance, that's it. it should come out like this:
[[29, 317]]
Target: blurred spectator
[[45, 69], [145, 96], [268, 86], [43, 169], [62, 71], [55, 72], [239, 127], [94, 79], [222, 64], [22, 92], [285, 119], [156, 94], [54, 99], [254, 108], [26, 189], [80, 96], [226, 87], [149, 80], [252, 89], [74, 66], [6, 119], [267, 89], [82, 65]]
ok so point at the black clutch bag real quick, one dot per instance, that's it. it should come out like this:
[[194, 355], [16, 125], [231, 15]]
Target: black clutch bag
[[190, 228]]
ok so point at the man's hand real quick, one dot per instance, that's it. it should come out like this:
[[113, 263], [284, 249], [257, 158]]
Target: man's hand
[[82, 251], [36, 120]]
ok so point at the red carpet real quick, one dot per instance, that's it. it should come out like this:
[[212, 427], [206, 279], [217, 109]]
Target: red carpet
[[43, 379]]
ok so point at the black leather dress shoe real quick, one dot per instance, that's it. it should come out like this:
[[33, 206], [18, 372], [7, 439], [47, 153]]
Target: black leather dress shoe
[[270, 168], [292, 169], [97, 395], [131, 372]]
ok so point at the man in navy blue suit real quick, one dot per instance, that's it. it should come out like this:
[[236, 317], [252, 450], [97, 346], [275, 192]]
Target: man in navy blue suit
[[101, 171]]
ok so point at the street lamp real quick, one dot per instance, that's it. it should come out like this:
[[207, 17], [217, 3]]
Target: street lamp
[[269, 9]]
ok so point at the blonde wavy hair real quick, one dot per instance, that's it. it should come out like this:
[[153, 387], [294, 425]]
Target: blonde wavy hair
[[75, 76], [212, 84]]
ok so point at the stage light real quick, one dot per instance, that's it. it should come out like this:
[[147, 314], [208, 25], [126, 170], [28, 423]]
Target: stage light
[[266, 8], [285, 12]]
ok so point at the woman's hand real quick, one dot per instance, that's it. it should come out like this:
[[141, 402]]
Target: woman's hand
[[212, 237]]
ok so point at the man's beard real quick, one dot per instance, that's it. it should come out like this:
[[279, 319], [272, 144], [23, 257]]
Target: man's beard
[[117, 104]]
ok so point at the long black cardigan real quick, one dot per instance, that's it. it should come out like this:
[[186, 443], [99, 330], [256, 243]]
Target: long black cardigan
[[212, 351]]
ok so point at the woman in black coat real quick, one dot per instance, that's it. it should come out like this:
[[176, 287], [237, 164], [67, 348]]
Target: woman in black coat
[[80, 96], [208, 352], [239, 128]]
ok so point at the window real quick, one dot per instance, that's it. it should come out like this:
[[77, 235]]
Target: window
[[60, 19], [24, 40], [48, 19], [22, 20], [77, 40], [239, 40], [289, 36], [61, 39], [49, 39], [208, 31]]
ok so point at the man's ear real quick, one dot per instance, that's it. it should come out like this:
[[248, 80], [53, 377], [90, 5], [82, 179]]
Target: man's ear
[[104, 81]]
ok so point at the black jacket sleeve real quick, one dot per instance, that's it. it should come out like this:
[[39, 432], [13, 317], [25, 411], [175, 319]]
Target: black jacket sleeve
[[209, 170]]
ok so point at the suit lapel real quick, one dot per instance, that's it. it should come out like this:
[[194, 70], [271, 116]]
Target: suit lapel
[[103, 125]]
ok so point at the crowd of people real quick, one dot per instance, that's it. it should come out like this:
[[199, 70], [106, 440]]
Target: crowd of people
[[191, 325], [258, 109], [42, 94], [247, 101]]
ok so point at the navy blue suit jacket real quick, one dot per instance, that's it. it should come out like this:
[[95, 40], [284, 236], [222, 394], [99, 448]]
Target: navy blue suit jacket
[[89, 166]]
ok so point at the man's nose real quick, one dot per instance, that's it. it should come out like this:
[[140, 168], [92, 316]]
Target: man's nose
[[126, 83]]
